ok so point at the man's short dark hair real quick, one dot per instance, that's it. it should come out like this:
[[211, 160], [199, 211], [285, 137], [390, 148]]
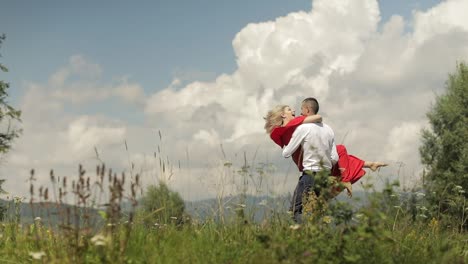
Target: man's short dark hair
[[312, 103]]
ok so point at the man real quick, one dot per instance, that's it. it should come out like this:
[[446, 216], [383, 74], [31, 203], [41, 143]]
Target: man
[[319, 154]]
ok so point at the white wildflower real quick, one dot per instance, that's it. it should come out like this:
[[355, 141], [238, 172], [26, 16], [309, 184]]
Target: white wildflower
[[37, 219], [295, 227], [423, 216], [99, 240], [18, 198], [263, 202], [37, 255], [458, 187], [327, 219], [423, 208], [173, 218], [420, 194]]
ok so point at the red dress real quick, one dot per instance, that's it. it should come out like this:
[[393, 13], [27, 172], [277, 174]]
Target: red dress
[[352, 165]]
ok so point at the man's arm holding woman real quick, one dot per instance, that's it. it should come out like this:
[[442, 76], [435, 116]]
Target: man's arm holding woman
[[297, 138]]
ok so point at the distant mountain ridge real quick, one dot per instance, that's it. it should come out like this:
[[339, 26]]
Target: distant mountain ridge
[[256, 208]]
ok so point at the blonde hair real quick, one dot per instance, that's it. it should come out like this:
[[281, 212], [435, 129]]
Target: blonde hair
[[274, 118]]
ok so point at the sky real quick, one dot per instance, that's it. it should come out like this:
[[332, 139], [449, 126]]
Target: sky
[[189, 82]]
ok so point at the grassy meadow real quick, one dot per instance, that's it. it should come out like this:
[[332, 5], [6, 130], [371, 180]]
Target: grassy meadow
[[106, 224]]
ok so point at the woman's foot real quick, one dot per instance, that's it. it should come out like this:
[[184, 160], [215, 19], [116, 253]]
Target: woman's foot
[[349, 188], [375, 165]]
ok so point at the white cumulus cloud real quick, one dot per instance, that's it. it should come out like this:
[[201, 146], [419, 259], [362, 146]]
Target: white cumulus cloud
[[374, 79]]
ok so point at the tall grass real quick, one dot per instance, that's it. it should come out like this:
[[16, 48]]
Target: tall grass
[[366, 238], [84, 220]]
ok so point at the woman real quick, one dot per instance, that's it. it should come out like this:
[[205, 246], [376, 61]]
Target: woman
[[281, 122]]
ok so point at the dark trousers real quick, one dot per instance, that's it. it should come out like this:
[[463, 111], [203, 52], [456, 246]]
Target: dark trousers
[[303, 188]]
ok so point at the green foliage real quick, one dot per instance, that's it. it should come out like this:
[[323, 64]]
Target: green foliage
[[380, 231], [162, 206], [7, 112], [444, 148], [3, 211], [3, 208], [367, 239]]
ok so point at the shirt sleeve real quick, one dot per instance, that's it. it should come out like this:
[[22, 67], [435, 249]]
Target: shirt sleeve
[[334, 153], [297, 138]]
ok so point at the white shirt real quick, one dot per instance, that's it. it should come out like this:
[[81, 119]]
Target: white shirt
[[318, 143]]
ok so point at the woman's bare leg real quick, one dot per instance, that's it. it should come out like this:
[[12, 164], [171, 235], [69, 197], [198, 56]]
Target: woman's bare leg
[[349, 188], [374, 165]]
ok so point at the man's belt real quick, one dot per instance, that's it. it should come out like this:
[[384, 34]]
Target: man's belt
[[309, 172]]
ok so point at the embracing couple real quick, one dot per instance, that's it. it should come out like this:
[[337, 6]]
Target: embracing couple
[[311, 144]]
